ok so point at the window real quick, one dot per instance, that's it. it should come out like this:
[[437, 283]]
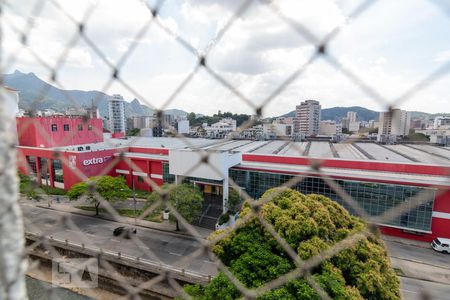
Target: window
[[54, 127], [140, 179], [80, 127], [66, 127], [89, 127], [57, 170]]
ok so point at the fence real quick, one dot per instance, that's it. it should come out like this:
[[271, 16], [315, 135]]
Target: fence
[[12, 250]]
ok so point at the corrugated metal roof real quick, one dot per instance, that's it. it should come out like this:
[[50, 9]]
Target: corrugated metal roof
[[394, 153], [320, 149], [418, 155], [381, 153], [346, 150]]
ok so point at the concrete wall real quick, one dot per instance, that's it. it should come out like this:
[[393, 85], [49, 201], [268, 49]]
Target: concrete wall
[[192, 163]]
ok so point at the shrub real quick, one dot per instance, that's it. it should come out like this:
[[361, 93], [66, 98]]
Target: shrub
[[310, 224]]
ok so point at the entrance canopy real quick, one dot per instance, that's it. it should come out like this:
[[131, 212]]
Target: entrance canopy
[[202, 163]]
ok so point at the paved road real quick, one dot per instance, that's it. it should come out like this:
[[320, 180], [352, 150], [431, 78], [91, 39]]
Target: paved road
[[412, 289], [424, 254], [166, 247], [169, 248]]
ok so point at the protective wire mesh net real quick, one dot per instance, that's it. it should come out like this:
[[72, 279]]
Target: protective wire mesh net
[[155, 271]]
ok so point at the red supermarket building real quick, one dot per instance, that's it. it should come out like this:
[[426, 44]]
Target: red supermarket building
[[60, 153]]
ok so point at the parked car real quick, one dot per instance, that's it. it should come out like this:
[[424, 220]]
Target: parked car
[[441, 245], [125, 232]]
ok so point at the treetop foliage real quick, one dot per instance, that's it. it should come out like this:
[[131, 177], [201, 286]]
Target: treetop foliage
[[186, 198], [310, 224], [194, 121], [110, 188]]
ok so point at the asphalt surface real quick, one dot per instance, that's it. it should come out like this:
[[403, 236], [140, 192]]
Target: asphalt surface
[[423, 253], [413, 289], [157, 245], [170, 248]]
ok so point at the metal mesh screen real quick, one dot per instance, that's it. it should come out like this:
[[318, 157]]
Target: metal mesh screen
[[11, 241]]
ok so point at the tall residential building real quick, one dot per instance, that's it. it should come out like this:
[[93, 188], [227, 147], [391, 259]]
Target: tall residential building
[[116, 111], [307, 118], [394, 122], [351, 116]]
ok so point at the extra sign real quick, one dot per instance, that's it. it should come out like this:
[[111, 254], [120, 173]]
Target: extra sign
[[95, 160]]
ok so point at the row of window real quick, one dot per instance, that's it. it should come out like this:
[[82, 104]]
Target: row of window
[[375, 198], [56, 166], [66, 127]]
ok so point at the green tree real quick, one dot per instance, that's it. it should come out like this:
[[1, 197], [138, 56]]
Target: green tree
[[412, 136], [186, 198], [191, 118], [310, 224], [134, 132], [234, 201], [28, 187], [110, 188]]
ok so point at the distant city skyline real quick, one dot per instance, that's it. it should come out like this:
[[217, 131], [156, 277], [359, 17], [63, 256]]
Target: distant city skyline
[[390, 56]]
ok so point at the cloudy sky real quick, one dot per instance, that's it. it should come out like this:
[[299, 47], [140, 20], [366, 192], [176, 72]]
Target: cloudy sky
[[391, 46]]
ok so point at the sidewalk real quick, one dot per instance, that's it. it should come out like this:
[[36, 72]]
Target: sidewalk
[[164, 226]]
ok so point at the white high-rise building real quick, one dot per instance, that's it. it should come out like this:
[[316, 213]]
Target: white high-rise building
[[352, 116], [116, 111], [394, 122], [307, 118]]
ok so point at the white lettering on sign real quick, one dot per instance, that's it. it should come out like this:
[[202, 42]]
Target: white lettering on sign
[[95, 160]]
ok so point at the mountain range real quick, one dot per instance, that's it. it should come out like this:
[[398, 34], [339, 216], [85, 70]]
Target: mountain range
[[364, 114], [36, 94], [337, 113]]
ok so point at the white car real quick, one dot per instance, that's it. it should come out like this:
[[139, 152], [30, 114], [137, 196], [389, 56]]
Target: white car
[[441, 245]]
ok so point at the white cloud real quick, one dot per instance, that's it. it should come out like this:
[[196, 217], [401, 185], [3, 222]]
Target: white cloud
[[257, 54], [442, 56]]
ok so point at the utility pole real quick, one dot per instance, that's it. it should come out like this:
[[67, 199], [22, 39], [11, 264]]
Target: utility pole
[[134, 200]]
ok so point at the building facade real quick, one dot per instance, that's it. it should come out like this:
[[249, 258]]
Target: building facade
[[395, 122], [330, 128], [116, 112], [375, 183], [307, 118], [58, 131]]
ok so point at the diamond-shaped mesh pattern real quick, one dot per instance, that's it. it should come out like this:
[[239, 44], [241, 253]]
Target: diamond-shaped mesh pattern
[[173, 275]]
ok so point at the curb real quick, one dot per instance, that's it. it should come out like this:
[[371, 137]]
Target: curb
[[420, 262], [423, 279], [82, 213], [405, 243]]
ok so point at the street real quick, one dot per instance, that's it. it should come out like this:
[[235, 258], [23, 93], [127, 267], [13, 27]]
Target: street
[[424, 253], [166, 247], [171, 247], [412, 289]]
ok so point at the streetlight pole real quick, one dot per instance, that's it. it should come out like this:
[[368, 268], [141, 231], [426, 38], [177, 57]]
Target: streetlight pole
[[134, 200]]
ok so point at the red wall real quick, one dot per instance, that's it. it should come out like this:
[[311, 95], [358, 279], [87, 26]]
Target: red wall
[[90, 164], [350, 164], [442, 202], [36, 131]]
